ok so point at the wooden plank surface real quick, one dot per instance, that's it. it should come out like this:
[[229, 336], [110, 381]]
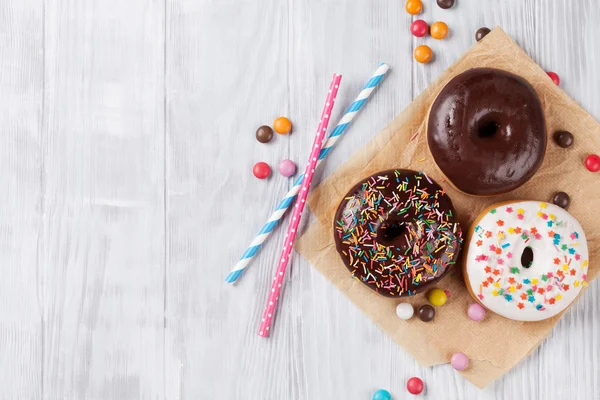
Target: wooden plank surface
[[21, 119], [127, 153], [102, 247]]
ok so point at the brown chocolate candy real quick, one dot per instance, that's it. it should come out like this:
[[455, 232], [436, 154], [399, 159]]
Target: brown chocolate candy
[[445, 4], [264, 134], [426, 313], [562, 200], [481, 33], [563, 138]]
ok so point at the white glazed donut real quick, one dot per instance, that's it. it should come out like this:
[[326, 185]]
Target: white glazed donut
[[526, 260]]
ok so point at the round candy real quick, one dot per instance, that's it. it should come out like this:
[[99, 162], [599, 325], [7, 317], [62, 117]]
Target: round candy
[[264, 134], [414, 385], [459, 361], [554, 77], [476, 312], [426, 313], [481, 33], [438, 30], [287, 168], [261, 170], [423, 54], [382, 394], [445, 4], [282, 125], [405, 311], [562, 200], [592, 163], [563, 138], [437, 297], [414, 7], [419, 28]]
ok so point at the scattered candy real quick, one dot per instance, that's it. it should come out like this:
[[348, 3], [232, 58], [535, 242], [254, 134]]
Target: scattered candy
[[437, 297], [382, 394], [414, 385], [405, 311], [445, 4], [261, 170], [563, 138], [419, 28], [414, 7], [562, 200], [426, 313], [592, 163], [554, 77], [438, 30], [282, 125], [423, 54], [264, 134], [476, 312], [481, 33], [459, 361], [287, 168]]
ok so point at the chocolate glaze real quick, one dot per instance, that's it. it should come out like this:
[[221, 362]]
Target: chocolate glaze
[[397, 232], [487, 132]]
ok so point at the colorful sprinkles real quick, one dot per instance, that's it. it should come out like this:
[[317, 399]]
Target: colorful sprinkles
[[396, 231], [499, 264]]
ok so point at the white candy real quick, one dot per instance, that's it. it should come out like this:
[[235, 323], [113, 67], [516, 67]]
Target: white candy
[[405, 311]]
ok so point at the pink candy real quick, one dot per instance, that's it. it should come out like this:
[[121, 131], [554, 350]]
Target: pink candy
[[476, 312], [287, 168], [419, 28], [459, 361]]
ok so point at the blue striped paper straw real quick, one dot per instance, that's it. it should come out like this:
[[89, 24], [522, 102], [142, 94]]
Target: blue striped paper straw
[[283, 206]]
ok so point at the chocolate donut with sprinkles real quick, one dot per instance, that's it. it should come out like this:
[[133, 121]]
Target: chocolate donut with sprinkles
[[397, 232]]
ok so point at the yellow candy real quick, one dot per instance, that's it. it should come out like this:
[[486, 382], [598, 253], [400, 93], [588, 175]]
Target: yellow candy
[[437, 297]]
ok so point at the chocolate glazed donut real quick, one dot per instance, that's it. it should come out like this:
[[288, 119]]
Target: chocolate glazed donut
[[487, 131], [397, 232]]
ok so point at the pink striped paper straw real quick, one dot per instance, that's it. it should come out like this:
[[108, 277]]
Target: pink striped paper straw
[[265, 326]]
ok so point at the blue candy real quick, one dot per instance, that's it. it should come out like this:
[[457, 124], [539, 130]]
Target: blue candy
[[382, 394]]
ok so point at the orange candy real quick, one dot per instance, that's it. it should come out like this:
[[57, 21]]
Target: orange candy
[[423, 54], [438, 30], [282, 125], [414, 7]]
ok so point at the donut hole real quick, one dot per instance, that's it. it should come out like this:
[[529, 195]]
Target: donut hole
[[390, 230], [488, 129], [527, 257]]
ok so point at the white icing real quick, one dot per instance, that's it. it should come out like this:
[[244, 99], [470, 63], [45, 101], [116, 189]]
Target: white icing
[[556, 275]]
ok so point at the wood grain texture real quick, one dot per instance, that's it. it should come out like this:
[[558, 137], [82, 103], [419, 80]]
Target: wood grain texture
[[127, 152], [21, 119], [103, 210]]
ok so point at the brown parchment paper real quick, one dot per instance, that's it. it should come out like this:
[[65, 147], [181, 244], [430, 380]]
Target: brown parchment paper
[[496, 344]]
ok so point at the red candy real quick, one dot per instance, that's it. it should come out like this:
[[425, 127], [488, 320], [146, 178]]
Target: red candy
[[261, 170], [419, 28], [592, 163], [414, 385], [554, 77]]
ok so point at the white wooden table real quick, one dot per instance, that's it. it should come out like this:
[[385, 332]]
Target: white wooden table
[[126, 152]]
